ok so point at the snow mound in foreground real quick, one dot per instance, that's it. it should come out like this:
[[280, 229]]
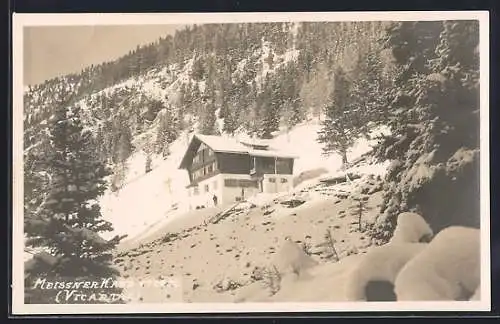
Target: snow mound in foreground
[[380, 264], [477, 294], [411, 228], [448, 269], [292, 259]]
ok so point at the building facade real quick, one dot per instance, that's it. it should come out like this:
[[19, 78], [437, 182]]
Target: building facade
[[224, 171]]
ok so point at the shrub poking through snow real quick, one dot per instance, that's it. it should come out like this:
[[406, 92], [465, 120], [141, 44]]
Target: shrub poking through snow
[[360, 209], [329, 247], [226, 284], [306, 247], [272, 279], [257, 273]]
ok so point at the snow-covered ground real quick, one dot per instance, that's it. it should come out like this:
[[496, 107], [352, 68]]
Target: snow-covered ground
[[147, 198], [268, 252]]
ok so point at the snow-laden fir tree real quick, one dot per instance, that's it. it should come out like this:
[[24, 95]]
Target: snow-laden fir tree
[[166, 133], [122, 150], [230, 122], [338, 133], [369, 104], [36, 181], [435, 125], [69, 220], [122, 140], [314, 93], [208, 120], [291, 101], [271, 100], [154, 107]]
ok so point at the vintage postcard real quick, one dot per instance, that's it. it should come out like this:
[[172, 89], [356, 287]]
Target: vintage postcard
[[188, 163]]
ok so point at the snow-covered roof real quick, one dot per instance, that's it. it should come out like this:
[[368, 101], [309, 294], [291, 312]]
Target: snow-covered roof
[[222, 144], [271, 153], [230, 145], [255, 142]]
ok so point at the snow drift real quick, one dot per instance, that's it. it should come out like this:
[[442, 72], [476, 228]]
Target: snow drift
[[448, 269]]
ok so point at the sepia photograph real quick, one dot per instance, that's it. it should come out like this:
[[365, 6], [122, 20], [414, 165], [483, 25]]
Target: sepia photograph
[[183, 163]]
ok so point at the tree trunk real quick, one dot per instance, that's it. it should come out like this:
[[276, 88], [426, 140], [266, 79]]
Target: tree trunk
[[344, 159], [360, 214]]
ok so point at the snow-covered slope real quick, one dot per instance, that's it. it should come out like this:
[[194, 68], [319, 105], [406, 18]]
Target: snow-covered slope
[[160, 194]]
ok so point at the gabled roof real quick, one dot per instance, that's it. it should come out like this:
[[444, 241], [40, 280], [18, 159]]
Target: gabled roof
[[227, 145], [222, 144]]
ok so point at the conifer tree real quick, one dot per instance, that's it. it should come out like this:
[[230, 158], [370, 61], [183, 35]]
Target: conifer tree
[[315, 92], [36, 181], [369, 104], [230, 123], [198, 71], [269, 105], [154, 107], [293, 113], [435, 125], [69, 220], [208, 121], [167, 133], [122, 140], [337, 133]]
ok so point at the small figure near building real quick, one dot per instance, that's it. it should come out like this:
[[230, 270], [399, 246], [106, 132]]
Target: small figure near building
[[215, 200]]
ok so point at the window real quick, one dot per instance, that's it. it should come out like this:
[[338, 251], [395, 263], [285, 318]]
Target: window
[[243, 183], [248, 183], [284, 180], [231, 183], [210, 168], [282, 165], [196, 159], [198, 174], [267, 164], [272, 180], [206, 188]]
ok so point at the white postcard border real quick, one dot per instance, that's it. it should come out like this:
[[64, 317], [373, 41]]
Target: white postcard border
[[22, 20]]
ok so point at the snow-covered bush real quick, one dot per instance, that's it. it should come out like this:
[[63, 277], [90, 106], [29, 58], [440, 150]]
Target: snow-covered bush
[[434, 123], [411, 228], [448, 269], [380, 264]]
